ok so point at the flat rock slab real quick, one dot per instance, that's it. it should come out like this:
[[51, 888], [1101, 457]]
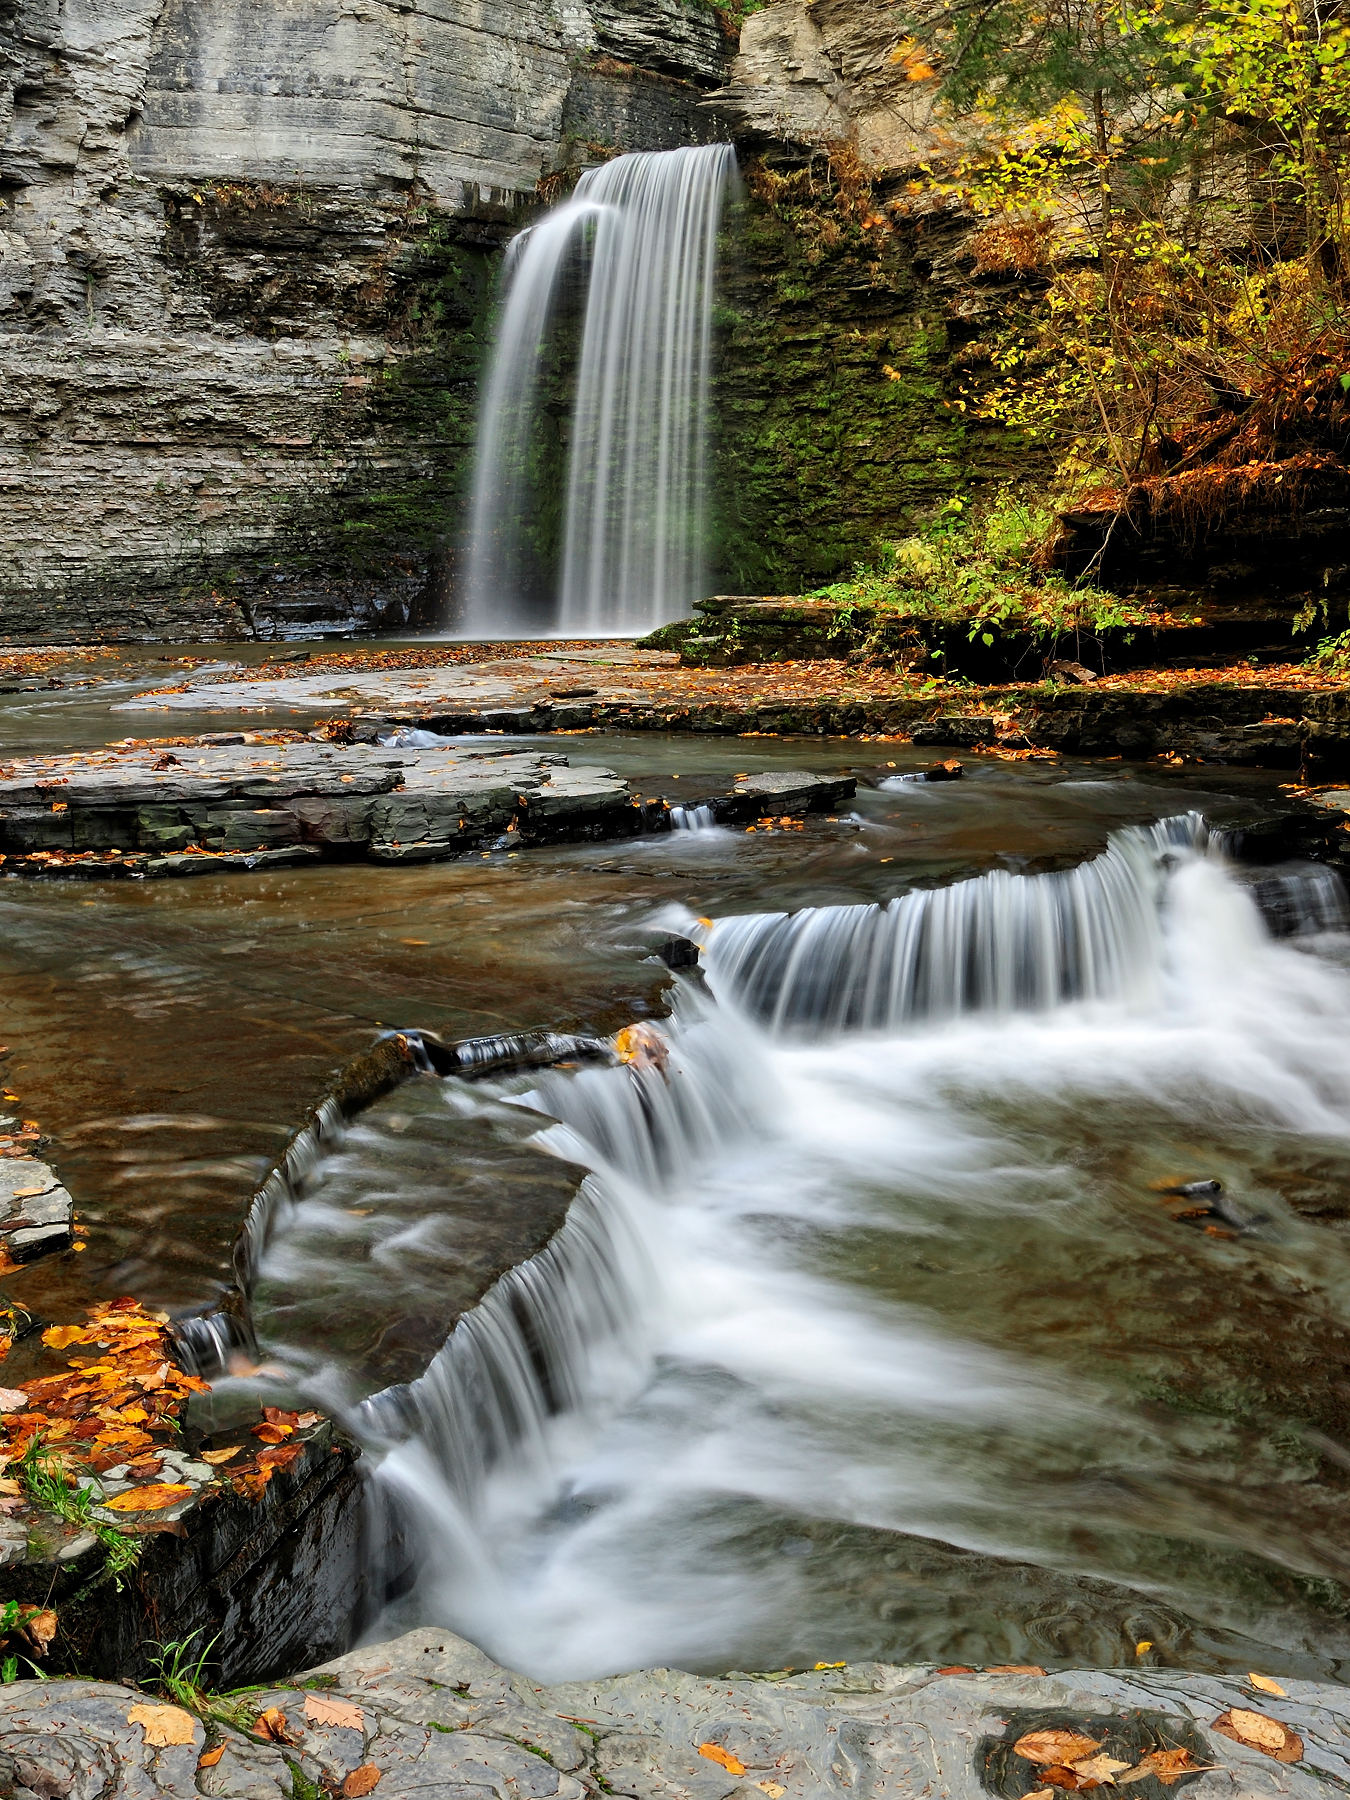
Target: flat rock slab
[[427, 1715], [36, 1212], [207, 805], [472, 687]]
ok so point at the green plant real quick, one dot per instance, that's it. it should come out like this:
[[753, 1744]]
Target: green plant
[[180, 1672], [47, 1485], [973, 569]]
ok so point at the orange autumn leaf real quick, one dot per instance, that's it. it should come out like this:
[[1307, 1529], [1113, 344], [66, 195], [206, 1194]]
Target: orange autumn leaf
[[41, 1627], [149, 1499], [209, 1758], [360, 1781], [221, 1456], [1260, 1732], [1056, 1747], [715, 1753], [272, 1724], [1014, 1669], [1267, 1686], [163, 1725], [273, 1434]]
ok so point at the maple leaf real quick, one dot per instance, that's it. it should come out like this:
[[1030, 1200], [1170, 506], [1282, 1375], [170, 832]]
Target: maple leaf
[[320, 1710], [163, 1725]]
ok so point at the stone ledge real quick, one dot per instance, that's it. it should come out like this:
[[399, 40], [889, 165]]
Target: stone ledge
[[428, 1714]]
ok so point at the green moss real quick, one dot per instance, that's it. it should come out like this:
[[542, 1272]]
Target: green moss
[[832, 435]]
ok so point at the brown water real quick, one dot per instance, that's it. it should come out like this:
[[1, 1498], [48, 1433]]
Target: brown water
[[169, 1036]]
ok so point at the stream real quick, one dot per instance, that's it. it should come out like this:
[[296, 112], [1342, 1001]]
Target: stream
[[872, 1332]]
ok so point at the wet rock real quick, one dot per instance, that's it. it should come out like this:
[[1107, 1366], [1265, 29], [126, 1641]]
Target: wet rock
[[238, 806], [433, 1716], [950, 770], [963, 729], [36, 1212], [783, 791]]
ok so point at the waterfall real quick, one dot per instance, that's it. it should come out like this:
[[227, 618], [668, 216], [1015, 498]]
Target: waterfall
[[630, 516], [692, 818], [999, 943], [621, 1454]]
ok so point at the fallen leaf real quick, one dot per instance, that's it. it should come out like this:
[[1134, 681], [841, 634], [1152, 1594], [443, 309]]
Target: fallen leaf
[[1061, 1776], [1014, 1669], [272, 1724], [957, 1669], [280, 1456], [1166, 1766], [715, 1753], [13, 1488], [642, 1047], [209, 1758], [1267, 1686], [276, 1415], [42, 1629], [60, 1337], [221, 1456], [149, 1499], [305, 1420], [163, 1725], [772, 1789], [1099, 1768], [273, 1434], [1040, 1794], [12, 1400], [360, 1781], [1260, 1732], [1055, 1746], [1143, 1647], [320, 1711]]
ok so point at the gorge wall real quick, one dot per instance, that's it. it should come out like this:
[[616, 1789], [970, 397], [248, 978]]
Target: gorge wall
[[246, 257]]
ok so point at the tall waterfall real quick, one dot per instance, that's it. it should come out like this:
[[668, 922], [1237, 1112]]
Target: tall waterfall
[[620, 548]]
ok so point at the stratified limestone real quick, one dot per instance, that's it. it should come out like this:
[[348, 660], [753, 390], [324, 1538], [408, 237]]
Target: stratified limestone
[[36, 1212], [427, 1714], [203, 807]]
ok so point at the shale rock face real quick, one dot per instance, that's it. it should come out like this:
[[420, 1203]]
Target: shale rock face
[[244, 261]]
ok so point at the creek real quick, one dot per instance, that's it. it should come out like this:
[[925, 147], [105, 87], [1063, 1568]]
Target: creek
[[870, 1333]]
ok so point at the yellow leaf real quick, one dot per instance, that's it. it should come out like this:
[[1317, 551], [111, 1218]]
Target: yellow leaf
[[221, 1456], [772, 1789], [11, 1489], [715, 1753], [319, 1710], [134, 1415], [1267, 1686], [149, 1499], [1098, 1768], [163, 1725], [842, 1665], [60, 1337], [1143, 1647]]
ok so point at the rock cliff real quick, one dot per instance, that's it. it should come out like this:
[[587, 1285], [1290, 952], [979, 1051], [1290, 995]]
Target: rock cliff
[[245, 252]]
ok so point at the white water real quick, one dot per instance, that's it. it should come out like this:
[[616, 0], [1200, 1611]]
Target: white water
[[637, 1454], [641, 234]]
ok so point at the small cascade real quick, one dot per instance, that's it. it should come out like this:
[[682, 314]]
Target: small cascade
[[638, 240], [999, 943], [692, 818], [558, 1333], [1301, 902]]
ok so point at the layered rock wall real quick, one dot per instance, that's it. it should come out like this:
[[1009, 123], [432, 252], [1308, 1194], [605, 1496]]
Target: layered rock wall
[[245, 264]]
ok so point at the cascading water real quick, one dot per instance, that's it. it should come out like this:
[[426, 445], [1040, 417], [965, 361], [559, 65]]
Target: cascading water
[[833, 1359], [640, 235]]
